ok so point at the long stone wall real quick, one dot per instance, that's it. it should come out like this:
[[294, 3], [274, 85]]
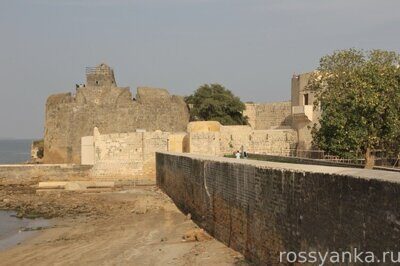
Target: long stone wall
[[256, 141], [42, 172], [211, 138], [264, 208]]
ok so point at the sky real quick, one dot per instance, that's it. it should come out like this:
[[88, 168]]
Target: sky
[[252, 47]]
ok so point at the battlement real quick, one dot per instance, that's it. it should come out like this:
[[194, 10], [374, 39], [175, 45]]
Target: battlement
[[112, 109]]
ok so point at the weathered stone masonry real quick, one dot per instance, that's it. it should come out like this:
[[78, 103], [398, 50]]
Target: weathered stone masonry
[[128, 155], [45, 172], [263, 208], [100, 103], [269, 115]]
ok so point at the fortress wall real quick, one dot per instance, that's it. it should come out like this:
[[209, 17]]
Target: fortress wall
[[204, 143], [153, 142], [87, 150], [250, 112], [43, 172], [273, 141], [204, 126], [118, 154], [233, 138], [132, 155], [221, 140], [127, 155], [112, 110], [269, 115], [263, 208]]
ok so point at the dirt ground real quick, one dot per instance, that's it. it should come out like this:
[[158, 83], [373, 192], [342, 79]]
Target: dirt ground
[[128, 226]]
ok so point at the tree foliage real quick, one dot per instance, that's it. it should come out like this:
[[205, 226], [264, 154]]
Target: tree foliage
[[213, 102], [359, 96]]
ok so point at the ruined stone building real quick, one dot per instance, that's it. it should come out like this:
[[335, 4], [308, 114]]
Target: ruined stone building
[[101, 103]]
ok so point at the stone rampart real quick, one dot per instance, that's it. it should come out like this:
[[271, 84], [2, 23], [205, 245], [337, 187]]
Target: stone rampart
[[256, 141], [264, 208], [211, 138], [43, 172]]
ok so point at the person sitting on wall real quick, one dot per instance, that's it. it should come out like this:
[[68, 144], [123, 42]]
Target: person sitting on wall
[[245, 155]]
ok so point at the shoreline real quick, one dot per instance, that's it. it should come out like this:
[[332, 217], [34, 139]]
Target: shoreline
[[23, 234], [129, 225]]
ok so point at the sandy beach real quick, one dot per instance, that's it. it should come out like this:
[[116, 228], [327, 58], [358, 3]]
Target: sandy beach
[[127, 226]]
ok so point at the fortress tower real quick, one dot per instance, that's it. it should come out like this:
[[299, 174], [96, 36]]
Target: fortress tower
[[99, 76], [100, 103]]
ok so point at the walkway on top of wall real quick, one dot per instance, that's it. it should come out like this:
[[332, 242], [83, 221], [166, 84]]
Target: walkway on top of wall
[[381, 175]]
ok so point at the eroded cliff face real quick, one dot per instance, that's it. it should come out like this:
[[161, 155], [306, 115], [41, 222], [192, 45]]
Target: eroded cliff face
[[109, 108]]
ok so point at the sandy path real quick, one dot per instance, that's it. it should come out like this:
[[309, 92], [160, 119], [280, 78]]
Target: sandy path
[[138, 227]]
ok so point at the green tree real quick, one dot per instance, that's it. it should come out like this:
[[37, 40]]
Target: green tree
[[359, 96], [213, 102]]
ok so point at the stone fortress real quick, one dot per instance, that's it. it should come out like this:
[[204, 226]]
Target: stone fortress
[[100, 103], [258, 208], [104, 126]]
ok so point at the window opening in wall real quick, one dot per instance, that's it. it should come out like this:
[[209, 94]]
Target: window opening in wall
[[97, 82]]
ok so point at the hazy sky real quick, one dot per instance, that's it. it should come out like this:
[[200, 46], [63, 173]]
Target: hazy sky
[[251, 46]]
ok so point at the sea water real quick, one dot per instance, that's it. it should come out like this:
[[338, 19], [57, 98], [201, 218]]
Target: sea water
[[14, 230], [14, 150]]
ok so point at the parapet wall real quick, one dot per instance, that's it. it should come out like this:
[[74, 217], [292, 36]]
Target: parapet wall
[[264, 208], [42, 172]]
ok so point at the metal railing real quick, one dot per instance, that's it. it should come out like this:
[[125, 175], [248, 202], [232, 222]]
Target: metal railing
[[381, 158]]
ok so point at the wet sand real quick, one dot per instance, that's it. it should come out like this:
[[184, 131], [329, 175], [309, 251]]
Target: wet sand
[[15, 230], [132, 226]]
